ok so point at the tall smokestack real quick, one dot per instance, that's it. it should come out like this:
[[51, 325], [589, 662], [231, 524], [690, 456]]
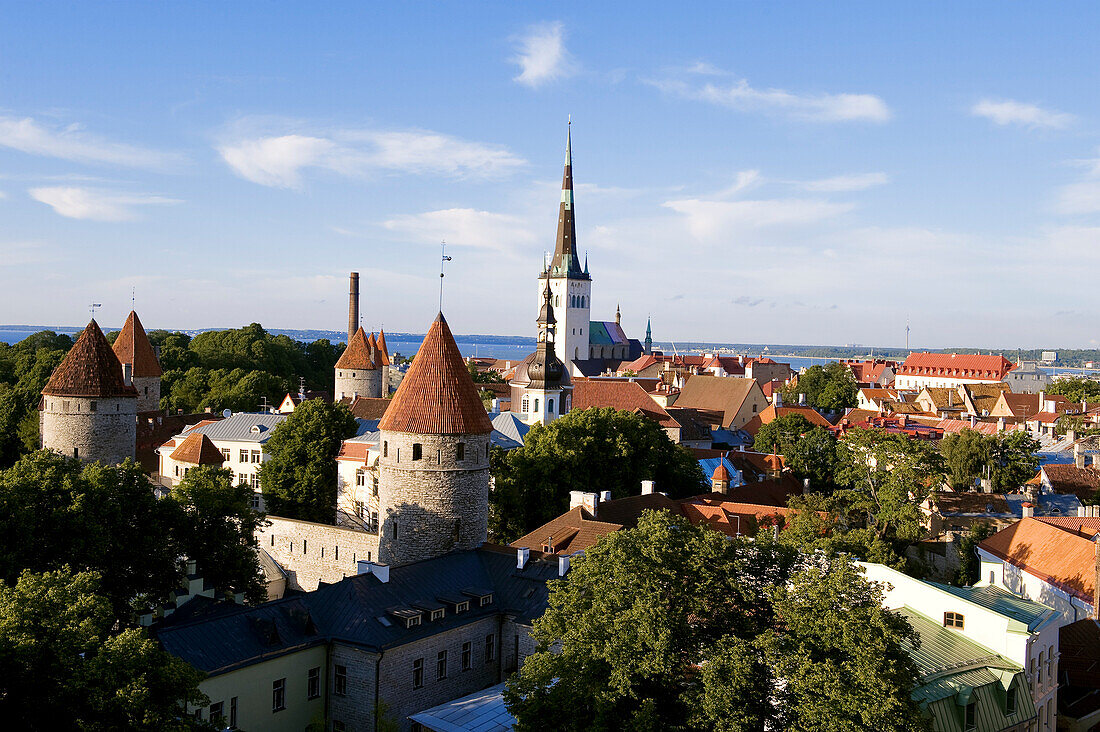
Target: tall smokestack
[[353, 306]]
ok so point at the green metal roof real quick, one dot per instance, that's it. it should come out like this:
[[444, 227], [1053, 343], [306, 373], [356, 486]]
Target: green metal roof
[[1029, 614], [950, 662]]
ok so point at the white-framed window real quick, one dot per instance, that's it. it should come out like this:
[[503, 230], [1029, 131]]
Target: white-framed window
[[255, 456], [360, 477]]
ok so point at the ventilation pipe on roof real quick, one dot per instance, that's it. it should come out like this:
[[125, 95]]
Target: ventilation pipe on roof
[[1028, 509], [563, 566], [522, 555], [605, 496]]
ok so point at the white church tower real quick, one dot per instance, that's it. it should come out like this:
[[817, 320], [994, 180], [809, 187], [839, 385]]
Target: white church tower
[[570, 285]]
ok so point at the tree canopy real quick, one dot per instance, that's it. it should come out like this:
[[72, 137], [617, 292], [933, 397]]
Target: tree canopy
[[1007, 459], [831, 386], [64, 666], [299, 477], [1075, 388], [595, 450], [669, 626], [809, 451], [24, 370]]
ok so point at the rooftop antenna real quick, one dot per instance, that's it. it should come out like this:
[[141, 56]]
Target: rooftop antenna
[[133, 298], [263, 404], [92, 307], [444, 259], [906, 332]]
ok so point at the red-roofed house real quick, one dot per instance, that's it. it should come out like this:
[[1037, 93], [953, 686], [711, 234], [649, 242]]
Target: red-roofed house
[[874, 373], [950, 370], [771, 412], [628, 396]]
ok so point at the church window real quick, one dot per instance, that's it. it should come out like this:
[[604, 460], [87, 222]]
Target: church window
[[550, 406], [418, 451], [525, 404], [177, 471], [374, 487], [486, 449], [460, 451], [64, 406], [536, 404], [374, 522], [395, 529]]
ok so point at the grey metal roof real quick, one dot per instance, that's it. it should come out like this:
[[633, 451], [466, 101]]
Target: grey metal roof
[[510, 426], [348, 611], [482, 711], [238, 427]]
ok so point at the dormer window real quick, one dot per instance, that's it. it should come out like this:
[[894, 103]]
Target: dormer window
[[486, 600], [462, 607], [412, 622], [953, 620], [438, 614]]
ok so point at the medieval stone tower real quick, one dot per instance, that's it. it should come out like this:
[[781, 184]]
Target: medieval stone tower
[[134, 349], [357, 372], [89, 406], [433, 488]]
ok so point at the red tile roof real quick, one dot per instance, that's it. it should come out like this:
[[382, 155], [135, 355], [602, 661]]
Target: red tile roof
[[382, 356], [958, 425], [956, 365], [628, 396], [721, 393], [1081, 482], [133, 347], [198, 449], [1051, 550], [770, 413], [354, 452], [573, 531], [720, 473], [90, 369], [357, 355], [437, 395], [368, 407], [731, 517]]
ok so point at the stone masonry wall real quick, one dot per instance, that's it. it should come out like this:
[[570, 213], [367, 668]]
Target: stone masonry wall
[[107, 434], [148, 389], [434, 505], [311, 553], [355, 708], [364, 382]]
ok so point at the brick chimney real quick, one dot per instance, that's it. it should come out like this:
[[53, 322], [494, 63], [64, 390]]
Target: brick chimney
[[353, 305]]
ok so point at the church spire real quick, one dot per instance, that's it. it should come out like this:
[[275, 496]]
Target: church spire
[[566, 263], [648, 336]]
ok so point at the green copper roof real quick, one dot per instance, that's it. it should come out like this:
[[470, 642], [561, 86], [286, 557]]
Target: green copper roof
[[1031, 615]]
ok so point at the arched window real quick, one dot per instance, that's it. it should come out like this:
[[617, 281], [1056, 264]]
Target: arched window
[[536, 404], [550, 406], [525, 404]]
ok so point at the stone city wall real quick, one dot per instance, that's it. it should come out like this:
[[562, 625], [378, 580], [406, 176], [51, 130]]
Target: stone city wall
[[97, 429], [312, 553]]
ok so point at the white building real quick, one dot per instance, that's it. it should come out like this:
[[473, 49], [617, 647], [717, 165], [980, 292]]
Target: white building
[[950, 370], [1021, 630]]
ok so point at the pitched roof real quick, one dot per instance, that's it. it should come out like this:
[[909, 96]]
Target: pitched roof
[[723, 393], [990, 368], [89, 369], [197, 449], [627, 396], [239, 427], [732, 518], [437, 395], [1081, 482], [694, 423], [133, 347], [367, 407], [1052, 550], [958, 425], [357, 353], [573, 531], [770, 413]]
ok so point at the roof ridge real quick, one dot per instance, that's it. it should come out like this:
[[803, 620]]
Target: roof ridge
[[89, 369]]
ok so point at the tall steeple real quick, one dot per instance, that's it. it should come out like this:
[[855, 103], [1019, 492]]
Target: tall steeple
[[546, 370], [648, 337], [566, 263]]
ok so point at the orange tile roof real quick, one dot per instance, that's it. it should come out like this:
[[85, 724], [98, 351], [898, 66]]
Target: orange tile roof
[[437, 395], [730, 517], [1052, 551], [720, 473], [1081, 482], [573, 531], [90, 369], [382, 356], [198, 449], [627, 396], [956, 365], [357, 355], [354, 452], [133, 347], [367, 407], [722, 393]]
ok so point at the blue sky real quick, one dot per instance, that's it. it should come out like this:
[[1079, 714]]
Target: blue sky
[[751, 172]]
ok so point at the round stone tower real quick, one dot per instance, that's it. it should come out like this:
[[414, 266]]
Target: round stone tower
[[357, 374], [134, 349], [89, 406], [433, 486]]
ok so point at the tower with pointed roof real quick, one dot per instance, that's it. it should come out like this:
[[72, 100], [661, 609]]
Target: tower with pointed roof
[[134, 350], [648, 337], [357, 371], [542, 400], [570, 284], [89, 405], [433, 473]]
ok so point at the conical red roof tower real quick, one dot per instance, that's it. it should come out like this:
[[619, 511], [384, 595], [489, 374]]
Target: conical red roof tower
[[132, 346], [437, 395], [357, 354], [90, 369]]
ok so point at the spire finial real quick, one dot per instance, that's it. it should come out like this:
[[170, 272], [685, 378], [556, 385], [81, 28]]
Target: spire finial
[[444, 258], [569, 142], [92, 307]]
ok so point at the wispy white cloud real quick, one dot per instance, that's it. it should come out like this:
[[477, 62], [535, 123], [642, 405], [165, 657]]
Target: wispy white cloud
[[465, 227], [280, 160], [18, 253], [95, 204], [1079, 198], [541, 55], [73, 143], [708, 219], [846, 183], [1010, 112], [739, 95]]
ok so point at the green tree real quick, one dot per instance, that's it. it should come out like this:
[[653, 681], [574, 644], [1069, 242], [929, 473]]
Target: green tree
[[782, 432], [965, 456], [595, 450], [669, 626], [814, 456], [969, 566], [831, 386], [483, 377], [1013, 460], [299, 477], [218, 529], [1074, 388], [63, 667]]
